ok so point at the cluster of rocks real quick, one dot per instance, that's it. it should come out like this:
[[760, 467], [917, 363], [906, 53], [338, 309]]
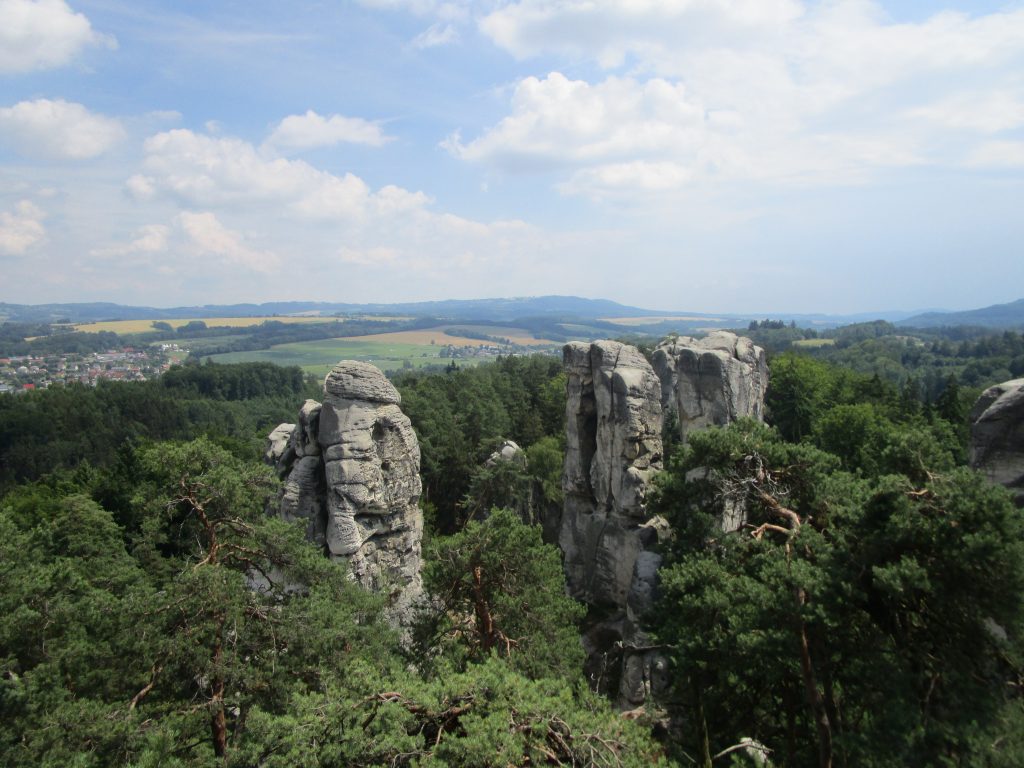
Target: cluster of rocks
[[350, 467], [351, 470]]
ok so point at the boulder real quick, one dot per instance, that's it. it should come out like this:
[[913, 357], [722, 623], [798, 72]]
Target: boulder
[[351, 469], [711, 381], [509, 451], [997, 436]]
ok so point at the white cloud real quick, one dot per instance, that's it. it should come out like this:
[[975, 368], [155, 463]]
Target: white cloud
[[149, 240], [993, 112], [608, 31], [308, 131], [21, 229], [775, 90], [303, 214], [208, 237], [58, 129], [42, 34], [436, 35], [562, 121], [204, 171]]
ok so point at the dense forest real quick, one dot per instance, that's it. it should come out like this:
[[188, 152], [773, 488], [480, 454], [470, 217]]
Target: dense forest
[[870, 614]]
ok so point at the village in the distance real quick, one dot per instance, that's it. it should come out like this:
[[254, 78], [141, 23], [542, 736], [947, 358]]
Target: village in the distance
[[23, 373]]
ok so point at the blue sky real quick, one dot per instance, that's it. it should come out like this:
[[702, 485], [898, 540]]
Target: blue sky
[[705, 155]]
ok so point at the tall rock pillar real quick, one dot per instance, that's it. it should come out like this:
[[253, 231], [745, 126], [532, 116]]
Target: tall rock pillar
[[613, 450], [351, 469]]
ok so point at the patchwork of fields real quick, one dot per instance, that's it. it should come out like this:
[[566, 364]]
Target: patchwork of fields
[[387, 351]]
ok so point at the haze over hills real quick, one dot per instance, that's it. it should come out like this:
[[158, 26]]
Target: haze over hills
[[1009, 315], [490, 310]]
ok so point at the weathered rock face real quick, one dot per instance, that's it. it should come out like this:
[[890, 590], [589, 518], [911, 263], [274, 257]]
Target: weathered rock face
[[614, 415], [613, 449], [997, 436], [711, 381], [351, 469]]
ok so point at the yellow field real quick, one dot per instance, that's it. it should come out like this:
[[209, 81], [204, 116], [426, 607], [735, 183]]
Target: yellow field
[[659, 319], [141, 326], [438, 337]]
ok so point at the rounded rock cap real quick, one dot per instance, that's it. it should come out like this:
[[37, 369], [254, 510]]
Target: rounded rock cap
[[355, 380]]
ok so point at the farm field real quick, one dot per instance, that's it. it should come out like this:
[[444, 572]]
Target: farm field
[[653, 320], [318, 357], [142, 326], [387, 351], [814, 343], [437, 336]]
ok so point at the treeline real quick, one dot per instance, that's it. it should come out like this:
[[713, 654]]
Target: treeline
[[929, 362], [60, 427], [14, 341]]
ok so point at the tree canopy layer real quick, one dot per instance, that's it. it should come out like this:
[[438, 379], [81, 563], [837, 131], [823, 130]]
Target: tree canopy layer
[[868, 618]]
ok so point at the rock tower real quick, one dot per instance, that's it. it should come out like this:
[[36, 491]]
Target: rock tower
[[351, 469]]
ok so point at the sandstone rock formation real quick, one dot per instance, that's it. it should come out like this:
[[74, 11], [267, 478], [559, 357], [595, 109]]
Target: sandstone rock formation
[[351, 469], [613, 450], [711, 381], [997, 436], [614, 420]]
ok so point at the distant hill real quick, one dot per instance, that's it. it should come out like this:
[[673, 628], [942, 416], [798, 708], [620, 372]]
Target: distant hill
[[549, 309], [1009, 316], [500, 310]]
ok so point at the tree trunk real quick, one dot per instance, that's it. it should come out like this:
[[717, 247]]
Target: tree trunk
[[821, 721], [218, 720], [484, 619]]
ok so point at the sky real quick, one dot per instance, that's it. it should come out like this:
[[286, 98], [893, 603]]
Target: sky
[[748, 156]]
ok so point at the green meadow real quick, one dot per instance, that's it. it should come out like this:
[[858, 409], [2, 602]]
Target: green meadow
[[318, 357]]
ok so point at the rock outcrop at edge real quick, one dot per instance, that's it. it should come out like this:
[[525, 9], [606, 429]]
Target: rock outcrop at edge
[[997, 436]]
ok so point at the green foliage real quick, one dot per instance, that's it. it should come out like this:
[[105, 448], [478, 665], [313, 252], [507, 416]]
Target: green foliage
[[45, 430], [872, 619], [544, 461], [240, 381], [487, 715], [462, 416], [500, 589]]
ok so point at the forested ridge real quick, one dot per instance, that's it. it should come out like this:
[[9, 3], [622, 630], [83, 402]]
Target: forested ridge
[[869, 615]]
